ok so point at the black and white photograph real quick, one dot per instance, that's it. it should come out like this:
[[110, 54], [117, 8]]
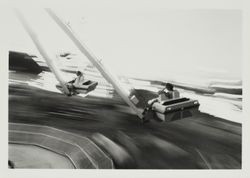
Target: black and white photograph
[[125, 87]]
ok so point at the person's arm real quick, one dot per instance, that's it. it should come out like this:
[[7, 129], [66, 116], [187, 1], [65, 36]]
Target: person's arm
[[72, 81], [161, 91]]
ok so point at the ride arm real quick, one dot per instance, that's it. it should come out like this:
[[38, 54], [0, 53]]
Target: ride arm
[[93, 59], [41, 50]]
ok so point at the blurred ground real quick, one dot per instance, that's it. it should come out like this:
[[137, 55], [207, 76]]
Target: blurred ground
[[202, 141]]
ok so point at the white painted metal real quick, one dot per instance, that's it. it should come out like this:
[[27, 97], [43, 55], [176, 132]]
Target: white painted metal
[[105, 73], [42, 50]]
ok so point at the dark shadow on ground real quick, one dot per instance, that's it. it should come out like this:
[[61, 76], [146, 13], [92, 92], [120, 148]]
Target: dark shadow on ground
[[199, 142]]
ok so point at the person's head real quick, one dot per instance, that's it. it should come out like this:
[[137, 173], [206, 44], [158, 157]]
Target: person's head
[[78, 73], [169, 86]]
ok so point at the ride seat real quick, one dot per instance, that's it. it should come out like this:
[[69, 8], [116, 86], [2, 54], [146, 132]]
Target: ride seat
[[174, 94]]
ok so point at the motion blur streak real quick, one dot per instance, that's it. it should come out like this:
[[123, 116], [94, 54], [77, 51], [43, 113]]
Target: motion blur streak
[[120, 134]]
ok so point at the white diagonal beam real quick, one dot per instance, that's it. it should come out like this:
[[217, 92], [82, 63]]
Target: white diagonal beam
[[93, 59], [41, 50]]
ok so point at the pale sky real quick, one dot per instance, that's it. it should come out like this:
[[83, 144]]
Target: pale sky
[[147, 42]]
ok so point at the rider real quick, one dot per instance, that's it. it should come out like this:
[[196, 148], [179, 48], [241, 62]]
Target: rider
[[76, 83], [166, 93], [79, 80]]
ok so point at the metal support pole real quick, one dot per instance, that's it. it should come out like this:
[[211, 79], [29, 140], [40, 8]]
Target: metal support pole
[[41, 50], [93, 59]]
